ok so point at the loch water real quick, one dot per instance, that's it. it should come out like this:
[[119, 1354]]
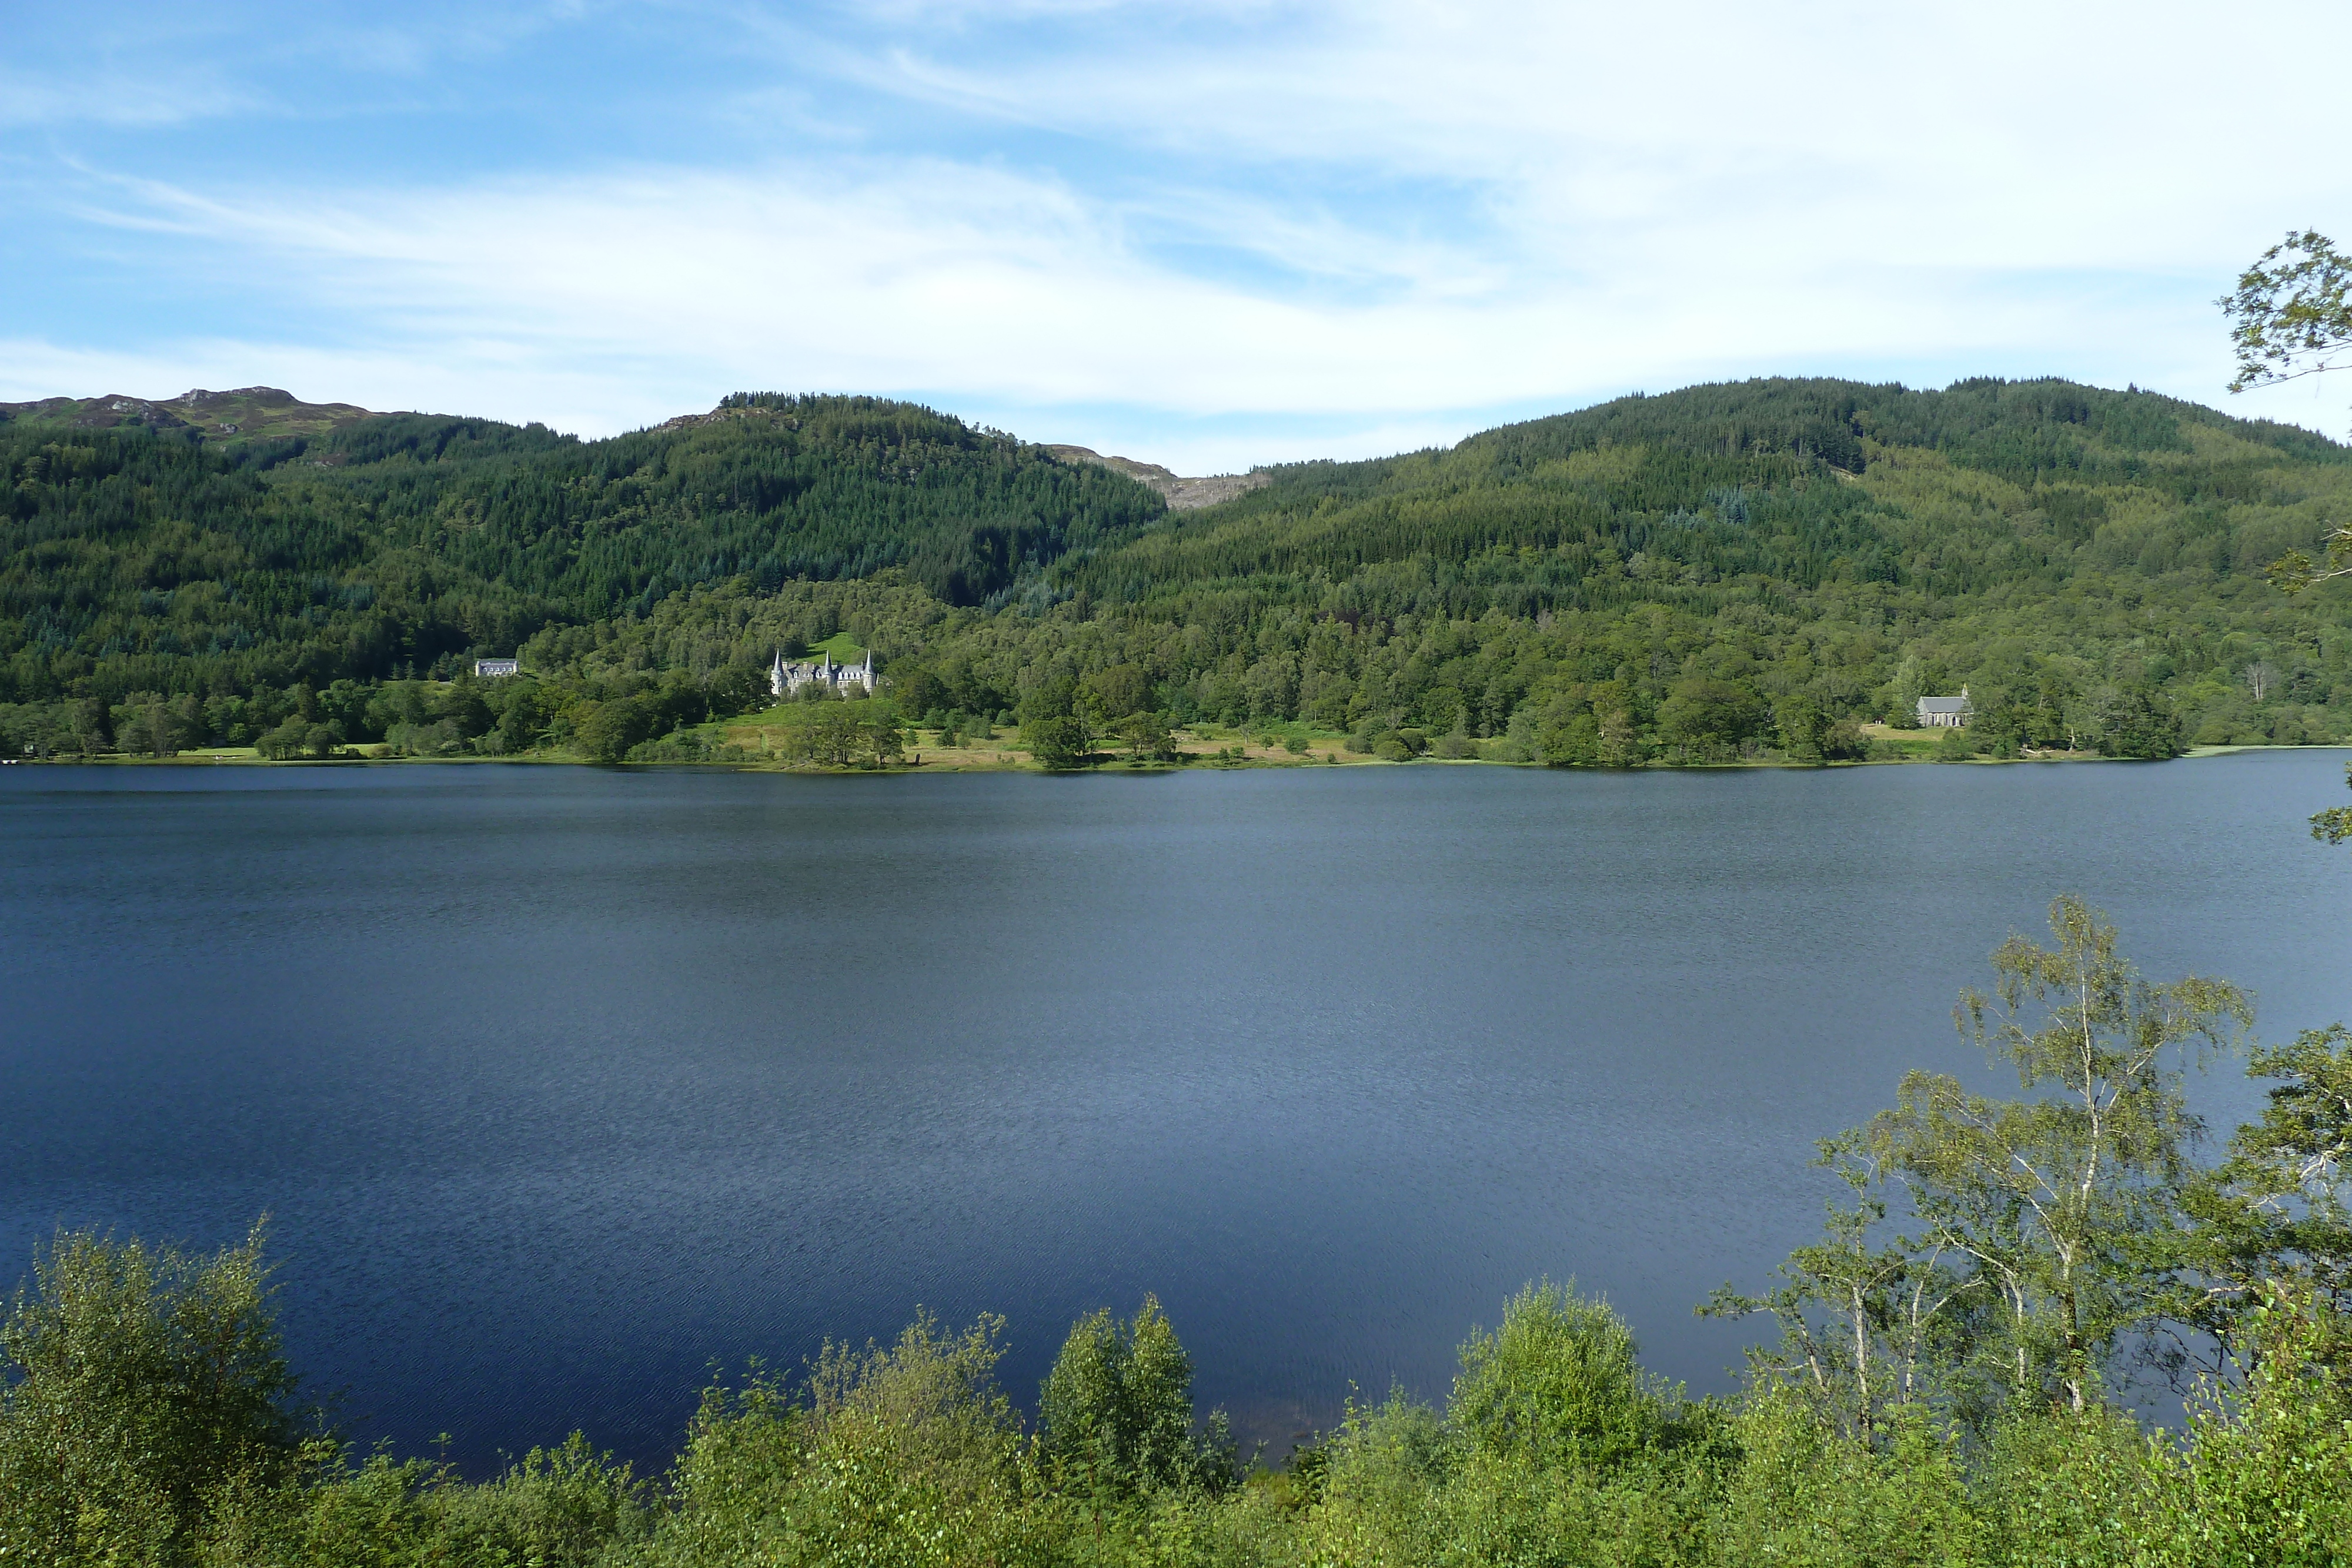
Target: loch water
[[563, 1086]]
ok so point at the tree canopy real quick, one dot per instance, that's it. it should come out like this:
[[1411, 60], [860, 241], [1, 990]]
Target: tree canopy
[[1722, 571]]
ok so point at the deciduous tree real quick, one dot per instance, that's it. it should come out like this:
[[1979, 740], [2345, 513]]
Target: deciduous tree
[[2050, 1201], [885, 738], [1117, 1410], [2291, 315], [136, 1384], [2276, 1214], [1057, 742]]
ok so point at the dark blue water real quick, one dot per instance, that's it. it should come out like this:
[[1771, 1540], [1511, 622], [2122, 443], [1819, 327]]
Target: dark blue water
[[562, 1085]]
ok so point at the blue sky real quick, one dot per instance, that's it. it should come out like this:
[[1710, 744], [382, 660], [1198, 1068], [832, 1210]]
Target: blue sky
[[1206, 235]]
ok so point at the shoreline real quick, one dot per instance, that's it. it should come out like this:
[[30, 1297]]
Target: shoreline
[[1195, 762]]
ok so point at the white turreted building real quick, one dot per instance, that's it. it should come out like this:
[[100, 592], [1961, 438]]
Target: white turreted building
[[786, 680]]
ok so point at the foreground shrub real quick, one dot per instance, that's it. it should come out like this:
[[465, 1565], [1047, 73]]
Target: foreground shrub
[[138, 1385], [2269, 1461], [905, 1455], [1117, 1412], [1557, 1383], [560, 1508], [2063, 1488], [1809, 1495]]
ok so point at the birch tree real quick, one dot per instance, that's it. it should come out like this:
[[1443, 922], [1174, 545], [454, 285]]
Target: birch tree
[[2291, 315], [1865, 1315], [2049, 1202], [2277, 1214]]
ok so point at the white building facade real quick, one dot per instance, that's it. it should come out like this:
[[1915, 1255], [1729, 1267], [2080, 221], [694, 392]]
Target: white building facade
[[1947, 713], [786, 680]]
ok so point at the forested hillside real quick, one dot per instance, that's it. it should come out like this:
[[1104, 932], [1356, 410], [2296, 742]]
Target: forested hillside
[[1689, 573], [1745, 569]]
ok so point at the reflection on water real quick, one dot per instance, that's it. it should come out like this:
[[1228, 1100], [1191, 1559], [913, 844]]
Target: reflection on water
[[562, 1085]]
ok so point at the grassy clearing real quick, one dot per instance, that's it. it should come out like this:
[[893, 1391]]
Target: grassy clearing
[[1919, 745], [2226, 750], [759, 737], [842, 646], [1927, 746]]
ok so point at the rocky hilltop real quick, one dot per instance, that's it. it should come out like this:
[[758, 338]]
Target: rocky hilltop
[[1182, 494], [242, 413], [251, 414]]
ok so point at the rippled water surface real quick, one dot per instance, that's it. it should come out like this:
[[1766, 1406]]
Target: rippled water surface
[[562, 1085]]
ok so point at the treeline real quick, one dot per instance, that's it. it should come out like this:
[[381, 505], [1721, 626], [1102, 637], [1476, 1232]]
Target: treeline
[[1996, 1277], [1398, 692], [604, 721], [1741, 570]]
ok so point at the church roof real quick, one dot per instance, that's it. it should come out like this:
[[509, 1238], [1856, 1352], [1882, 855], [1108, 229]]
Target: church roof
[[1945, 705]]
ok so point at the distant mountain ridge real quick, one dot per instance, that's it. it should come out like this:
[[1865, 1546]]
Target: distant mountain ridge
[[257, 413], [245, 413], [1182, 494]]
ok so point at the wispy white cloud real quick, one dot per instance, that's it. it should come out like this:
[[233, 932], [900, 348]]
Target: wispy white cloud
[[2006, 133], [158, 69], [1282, 229], [952, 275], [145, 99]]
